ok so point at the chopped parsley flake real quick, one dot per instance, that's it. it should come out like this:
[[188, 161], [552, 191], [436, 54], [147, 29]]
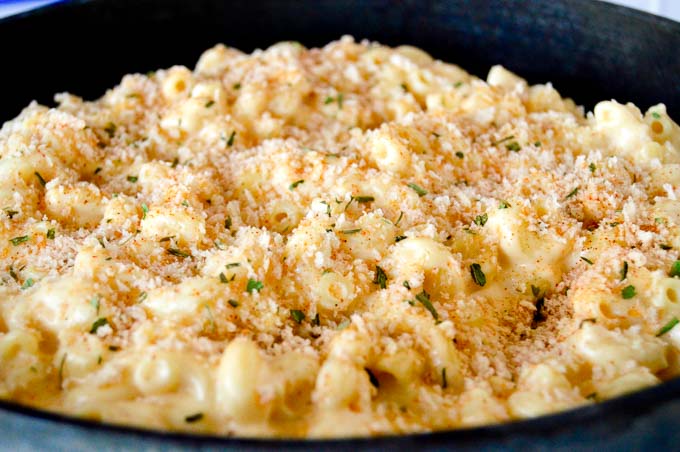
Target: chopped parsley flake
[[401, 215], [424, 298], [51, 233], [350, 231], [445, 383], [665, 247], [223, 278], [675, 269], [178, 253], [60, 375], [628, 292], [316, 321], [110, 129], [363, 199], [667, 327], [132, 179], [10, 213], [254, 285], [514, 146], [209, 104], [95, 303], [98, 170], [586, 260], [417, 189], [233, 303], [624, 270], [145, 210], [480, 220], [193, 418], [399, 238], [100, 322], [572, 193], [227, 223], [232, 265], [40, 179], [406, 284], [460, 155], [592, 167], [297, 315], [236, 86], [28, 283], [232, 137], [655, 115], [380, 277], [537, 144], [504, 205], [503, 140], [142, 296], [19, 240], [295, 184], [477, 274]]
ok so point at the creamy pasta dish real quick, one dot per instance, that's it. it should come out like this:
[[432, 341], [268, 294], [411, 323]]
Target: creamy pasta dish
[[346, 241]]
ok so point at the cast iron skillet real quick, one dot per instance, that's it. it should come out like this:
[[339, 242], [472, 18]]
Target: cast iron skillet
[[590, 50]]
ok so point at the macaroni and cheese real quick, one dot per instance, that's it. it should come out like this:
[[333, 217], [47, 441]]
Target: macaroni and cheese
[[351, 240]]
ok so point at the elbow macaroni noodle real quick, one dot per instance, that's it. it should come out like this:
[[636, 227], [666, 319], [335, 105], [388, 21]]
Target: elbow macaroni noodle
[[351, 240]]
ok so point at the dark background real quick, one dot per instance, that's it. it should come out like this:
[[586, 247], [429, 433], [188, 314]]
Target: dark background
[[590, 51]]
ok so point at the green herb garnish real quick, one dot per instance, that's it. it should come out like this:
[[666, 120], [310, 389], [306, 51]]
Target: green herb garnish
[[232, 137], [655, 115], [28, 283], [572, 193], [628, 292], [445, 383], [100, 322], [223, 278], [380, 277], [624, 271], [350, 231], [295, 184], [193, 418], [145, 210], [480, 220], [477, 274], [254, 285], [95, 303], [40, 179], [514, 146], [667, 327], [460, 155], [399, 238], [51, 233], [504, 205], [132, 179], [209, 104], [665, 247], [675, 269], [424, 298], [417, 189], [110, 129], [586, 260], [297, 315], [232, 265], [233, 303], [592, 167], [363, 199], [19, 240], [178, 253]]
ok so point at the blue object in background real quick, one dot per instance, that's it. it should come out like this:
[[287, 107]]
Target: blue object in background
[[10, 7]]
